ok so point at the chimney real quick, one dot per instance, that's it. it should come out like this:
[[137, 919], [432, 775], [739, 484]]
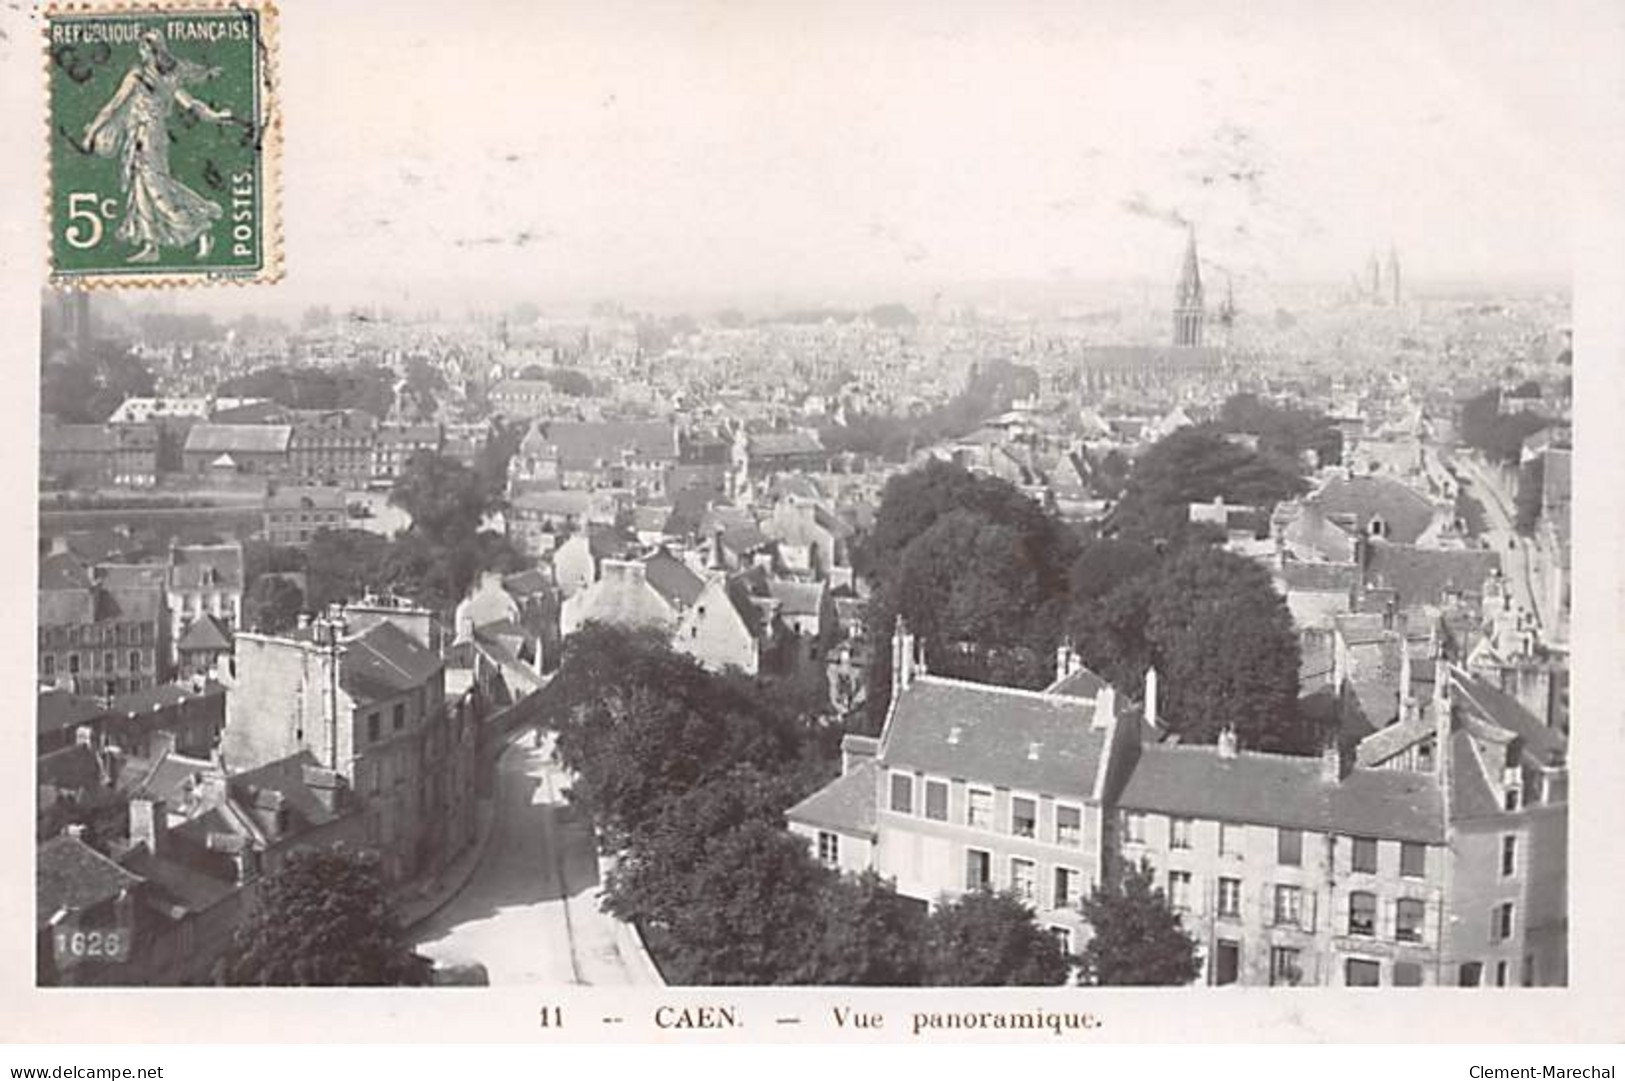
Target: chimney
[[902, 658], [1331, 761], [76, 830], [1227, 743], [149, 824], [1105, 708], [1152, 716]]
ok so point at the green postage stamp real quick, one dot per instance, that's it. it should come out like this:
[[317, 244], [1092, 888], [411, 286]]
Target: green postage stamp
[[163, 132]]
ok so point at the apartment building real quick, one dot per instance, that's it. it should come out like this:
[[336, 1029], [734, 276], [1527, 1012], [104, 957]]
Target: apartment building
[[1431, 852]]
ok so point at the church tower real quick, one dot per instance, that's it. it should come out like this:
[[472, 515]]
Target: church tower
[[1188, 298]]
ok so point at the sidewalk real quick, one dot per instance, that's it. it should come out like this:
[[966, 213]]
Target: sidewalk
[[417, 901]]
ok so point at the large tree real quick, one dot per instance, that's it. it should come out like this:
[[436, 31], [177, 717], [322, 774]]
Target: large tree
[[986, 939], [977, 569], [1284, 430], [1197, 465], [639, 723], [273, 604], [1221, 639], [869, 936], [322, 919], [1137, 938]]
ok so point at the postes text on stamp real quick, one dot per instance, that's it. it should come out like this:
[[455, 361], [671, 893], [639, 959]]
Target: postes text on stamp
[[163, 134]]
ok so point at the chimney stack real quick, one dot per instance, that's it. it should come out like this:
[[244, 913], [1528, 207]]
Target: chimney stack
[[1105, 708], [149, 824], [1227, 743], [1331, 761], [1152, 717]]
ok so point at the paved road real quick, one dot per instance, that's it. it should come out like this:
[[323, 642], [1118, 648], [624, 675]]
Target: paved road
[[1519, 557], [530, 912]]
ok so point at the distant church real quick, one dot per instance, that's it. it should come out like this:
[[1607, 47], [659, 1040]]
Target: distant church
[[1104, 366], [1188, 311]]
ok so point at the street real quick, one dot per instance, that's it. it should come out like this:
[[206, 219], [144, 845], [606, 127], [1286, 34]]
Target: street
[[1518, 556], [530, 912]]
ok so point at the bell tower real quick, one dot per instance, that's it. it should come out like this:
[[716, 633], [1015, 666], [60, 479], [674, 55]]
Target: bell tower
[[1188, 314]]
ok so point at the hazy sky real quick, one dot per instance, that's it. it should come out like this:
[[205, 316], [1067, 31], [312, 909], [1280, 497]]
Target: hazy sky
[[550, 152]]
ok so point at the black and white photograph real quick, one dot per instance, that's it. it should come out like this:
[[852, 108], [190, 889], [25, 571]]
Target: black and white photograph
[[820, 496]]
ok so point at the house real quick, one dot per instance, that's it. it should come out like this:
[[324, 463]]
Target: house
[[976, 787], [367, 699], [395, 445], [1433, 851], [726, 628], [577, 560], [535, 520], [204, 580], [810, 538], [103, 633], [294, 515], [259, 450], [332, 447], [630, 455], [203, 647], [623, 596], [1379, 506]]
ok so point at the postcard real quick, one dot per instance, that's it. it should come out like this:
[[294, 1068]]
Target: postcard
[[850, 522]]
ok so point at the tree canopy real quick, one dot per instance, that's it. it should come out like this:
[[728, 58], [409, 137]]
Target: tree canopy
[[86, 389], [1284, 431], [986, 939], [1137, 939], [1197, 465], [322, 919], [1498, 436], [273, 604], [370, 389], [1221, 639]]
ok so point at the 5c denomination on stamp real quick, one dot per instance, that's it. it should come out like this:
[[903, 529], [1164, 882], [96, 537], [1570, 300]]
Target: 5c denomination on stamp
[[163, 132]]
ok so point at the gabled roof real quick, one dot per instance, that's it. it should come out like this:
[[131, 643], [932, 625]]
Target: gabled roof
[[1285, 791], [797, 598], [588, 444], [74, 768], [995, 735], [206, 634], [63, 571], [206, 566], [783, 444], [1312, 530], [1080, 684], [1300, 577], [1406, 512], [70, 875], [289, 778], [846, 804], [385, 661]]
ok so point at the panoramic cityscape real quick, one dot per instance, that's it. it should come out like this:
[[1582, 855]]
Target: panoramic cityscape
[[1194, 613]]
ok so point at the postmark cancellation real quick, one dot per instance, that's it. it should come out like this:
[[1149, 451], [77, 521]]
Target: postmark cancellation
[[163, 143]]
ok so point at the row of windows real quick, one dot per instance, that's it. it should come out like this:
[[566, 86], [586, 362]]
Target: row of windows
[[1288, 844], [97, 662], [1066, 885], [1287, 907], [1067, 828], [1286, 968], [397, 720], [106, 634]]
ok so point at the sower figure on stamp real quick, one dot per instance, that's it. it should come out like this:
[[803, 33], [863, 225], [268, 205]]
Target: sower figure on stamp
[[159, 210]]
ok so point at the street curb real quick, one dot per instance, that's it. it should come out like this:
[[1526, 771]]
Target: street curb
[[629, 938]]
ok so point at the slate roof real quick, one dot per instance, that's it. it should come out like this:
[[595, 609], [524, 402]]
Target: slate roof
[[588, 444], [1406, 511], [74, 768], [210, 566], [1311, 529], [783, 444], [69, 874], [558, 501], [205, 634], [669, 577], [620, 599], [986, 734], [62, 709], [797, 598], [526, 582], [163, 697], [1422, 576], [1470, 793], [1080, 684], [238, 438], [63, 571], [383, 662], [1285, 791], [129, 605], [846, 804], [1546, 745], [289, 777]]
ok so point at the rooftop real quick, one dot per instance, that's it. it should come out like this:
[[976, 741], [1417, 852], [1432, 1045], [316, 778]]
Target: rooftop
[[846, 804], [1002, 736]]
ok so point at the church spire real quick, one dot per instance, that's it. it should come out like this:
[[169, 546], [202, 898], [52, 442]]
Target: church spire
[[1188, 296]]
